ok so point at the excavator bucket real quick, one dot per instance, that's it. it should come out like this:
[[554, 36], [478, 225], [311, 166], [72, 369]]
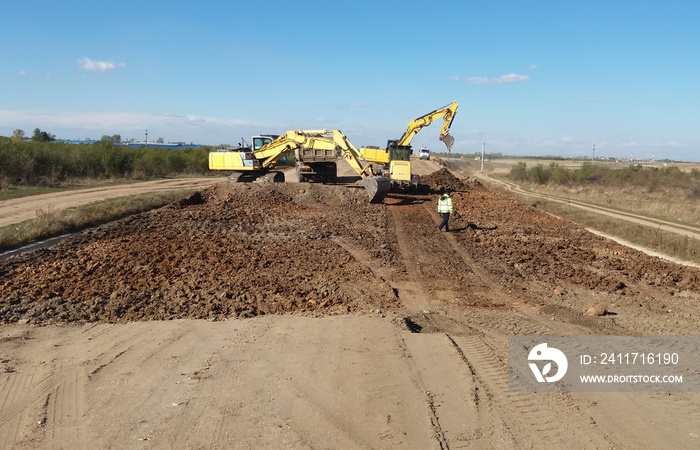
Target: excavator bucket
[[449, 141], [377, 188]]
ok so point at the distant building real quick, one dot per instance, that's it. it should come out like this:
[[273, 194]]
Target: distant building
[[139, 144]]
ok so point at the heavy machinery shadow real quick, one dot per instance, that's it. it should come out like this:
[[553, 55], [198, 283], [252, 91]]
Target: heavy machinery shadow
[[348, 180], [470, 226], [473, 226], [406, 199]]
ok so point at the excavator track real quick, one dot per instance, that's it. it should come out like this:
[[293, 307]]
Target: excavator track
[[272, 177], [260, 177]]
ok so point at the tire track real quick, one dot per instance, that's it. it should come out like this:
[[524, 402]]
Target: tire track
[[458, 411], [484, 283], [20, 396], [524, 418], [58, 395], [459, 414], [556, 420], [65, 408]]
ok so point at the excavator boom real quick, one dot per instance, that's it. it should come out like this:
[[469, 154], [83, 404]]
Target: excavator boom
[[418, 123], [377, 187]]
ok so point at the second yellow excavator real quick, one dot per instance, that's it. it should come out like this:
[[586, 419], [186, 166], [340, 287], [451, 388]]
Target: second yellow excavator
[[394, 161], [311, 147]]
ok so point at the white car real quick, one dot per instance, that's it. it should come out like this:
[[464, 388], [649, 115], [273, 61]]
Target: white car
[[424, 153]]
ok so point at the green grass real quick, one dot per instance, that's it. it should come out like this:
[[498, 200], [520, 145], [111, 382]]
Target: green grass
[[50, 224], [11, 192], [25, 191]]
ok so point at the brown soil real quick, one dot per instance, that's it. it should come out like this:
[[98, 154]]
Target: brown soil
[[231, 251], [234, 251], [413, 356]]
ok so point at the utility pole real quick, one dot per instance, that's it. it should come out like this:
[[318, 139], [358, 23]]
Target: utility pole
[[483, 152], [146, 138], [593, 152]]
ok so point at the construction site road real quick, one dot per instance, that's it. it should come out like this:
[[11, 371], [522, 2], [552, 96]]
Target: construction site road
[[300, 316], [25, 208]]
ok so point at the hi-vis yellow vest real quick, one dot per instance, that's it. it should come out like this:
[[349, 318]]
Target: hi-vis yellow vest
[[444, 205]]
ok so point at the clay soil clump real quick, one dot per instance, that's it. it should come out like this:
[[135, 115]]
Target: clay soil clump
[[235, 250], [247, 249], [444, 180]]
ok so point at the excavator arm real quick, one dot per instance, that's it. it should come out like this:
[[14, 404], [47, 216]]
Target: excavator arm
[[290, 141], [351, 154], [418, 123], [377, 187], [260, 162]]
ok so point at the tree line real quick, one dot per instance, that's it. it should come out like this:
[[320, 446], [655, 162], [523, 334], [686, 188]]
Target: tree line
[[650, 178], [42, 161], [43, 136], [38, 136]]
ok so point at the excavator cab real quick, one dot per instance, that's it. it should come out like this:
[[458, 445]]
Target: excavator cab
[[261, 141], [398, 152]]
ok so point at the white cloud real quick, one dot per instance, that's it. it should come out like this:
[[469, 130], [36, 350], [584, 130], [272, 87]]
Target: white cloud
[[172, 127], [209, 130], [22, 73], [100, 66], [533, 67], [509, 78]]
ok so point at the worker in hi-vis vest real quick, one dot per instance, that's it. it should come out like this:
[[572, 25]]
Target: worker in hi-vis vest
[[444, 207]]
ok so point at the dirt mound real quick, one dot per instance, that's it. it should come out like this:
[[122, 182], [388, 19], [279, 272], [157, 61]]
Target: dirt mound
[[520, 243], [240, 250], [235, 250], [443, 179]]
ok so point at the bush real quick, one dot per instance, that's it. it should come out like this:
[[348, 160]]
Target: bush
[[519, 172], [584, 174], [559, 175], [47, 163], [649, 178], [539, 174]]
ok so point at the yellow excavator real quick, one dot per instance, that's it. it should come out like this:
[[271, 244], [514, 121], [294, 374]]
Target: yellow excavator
[[310, 146], [394, 161]]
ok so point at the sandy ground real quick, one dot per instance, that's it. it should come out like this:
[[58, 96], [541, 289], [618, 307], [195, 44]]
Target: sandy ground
[[300, 316], [25, 208]]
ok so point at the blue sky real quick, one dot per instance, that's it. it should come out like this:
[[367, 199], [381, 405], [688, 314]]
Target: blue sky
[[531, 77]]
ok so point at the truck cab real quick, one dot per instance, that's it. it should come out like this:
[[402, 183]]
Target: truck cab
[[424, 153]]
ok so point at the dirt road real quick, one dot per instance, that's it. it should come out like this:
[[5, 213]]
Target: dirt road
[[298, 315], [25, 208]]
